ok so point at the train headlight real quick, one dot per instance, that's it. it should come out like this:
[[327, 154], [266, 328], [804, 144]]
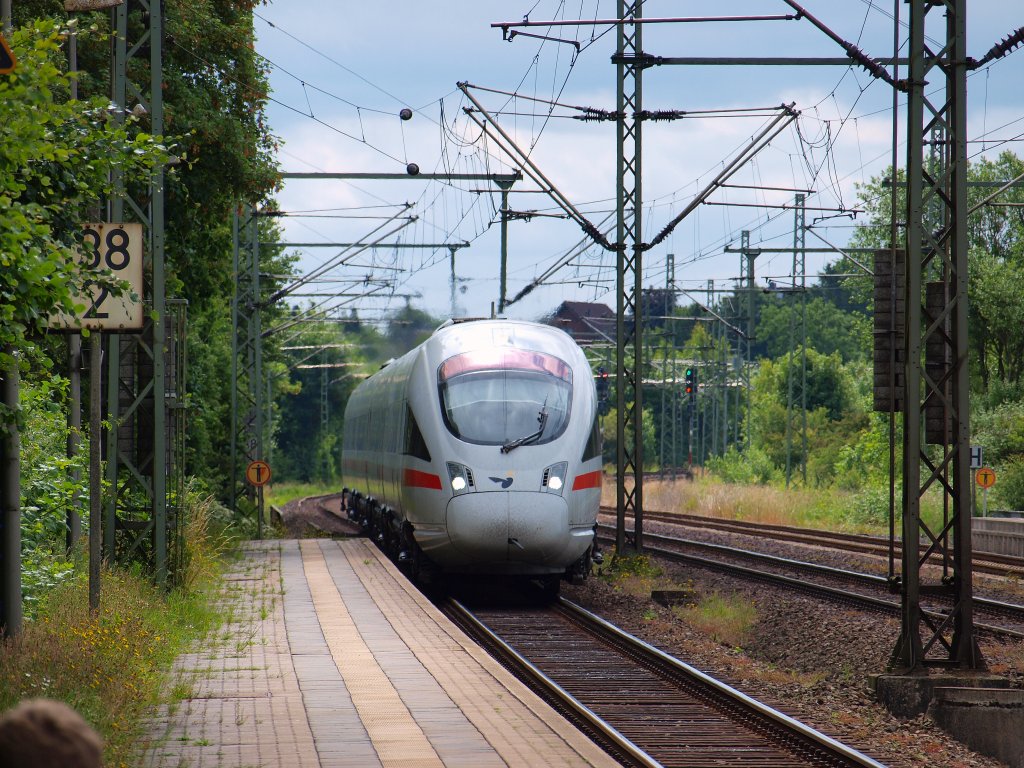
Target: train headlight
[[460, 476], [553, 480]]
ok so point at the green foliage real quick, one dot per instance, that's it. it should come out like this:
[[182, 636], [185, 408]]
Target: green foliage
[[1009, 491], [834, 413], [630, 565], [829, 384], [752, 466], [997, 326], [996, 240], [407, 328], [109, 665], [864, 460], [47, 488], [869, 506], [209, 385], [56, 158], [215, 95], [1000, 430], [280, 494], [609, 429], [830, 330]]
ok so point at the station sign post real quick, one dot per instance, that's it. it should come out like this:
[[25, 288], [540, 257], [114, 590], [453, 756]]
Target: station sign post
[[986, 478], [258, 474], [110, 264]]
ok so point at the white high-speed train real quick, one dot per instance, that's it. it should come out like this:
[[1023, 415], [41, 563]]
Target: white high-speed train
[[479, 452]]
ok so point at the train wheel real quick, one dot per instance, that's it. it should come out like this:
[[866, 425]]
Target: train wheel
[[550, 587]]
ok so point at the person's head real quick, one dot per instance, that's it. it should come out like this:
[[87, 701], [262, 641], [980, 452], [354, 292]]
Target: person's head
[[42, 733]]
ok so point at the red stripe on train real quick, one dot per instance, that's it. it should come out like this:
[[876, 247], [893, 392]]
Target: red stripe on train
[[587, 480], [413, 478]]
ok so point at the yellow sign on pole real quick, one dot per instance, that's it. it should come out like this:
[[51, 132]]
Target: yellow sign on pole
[[985, 477], [258, 473]]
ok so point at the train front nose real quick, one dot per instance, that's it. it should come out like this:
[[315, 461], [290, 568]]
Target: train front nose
[[508, 526]]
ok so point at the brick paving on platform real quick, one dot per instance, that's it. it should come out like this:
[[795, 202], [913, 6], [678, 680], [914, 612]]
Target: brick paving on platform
[[329, 657]]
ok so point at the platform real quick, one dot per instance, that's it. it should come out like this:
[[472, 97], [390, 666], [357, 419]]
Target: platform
[[329, 657]]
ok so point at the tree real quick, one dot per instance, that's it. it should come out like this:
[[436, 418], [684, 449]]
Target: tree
[[657, 304], [835, 414], [215, 93], [829, 329], [996, 261], [408, 327], [55, 161]]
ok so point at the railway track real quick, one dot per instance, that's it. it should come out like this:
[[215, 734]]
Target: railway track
[[983, 562], [674, 549], [643, 706]]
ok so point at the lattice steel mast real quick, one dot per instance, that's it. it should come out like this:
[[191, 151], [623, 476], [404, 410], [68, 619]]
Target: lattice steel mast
[[629, 272], [936, 391]]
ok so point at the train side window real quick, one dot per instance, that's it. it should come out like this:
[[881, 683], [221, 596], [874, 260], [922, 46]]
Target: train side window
[[595, 442], [415, 445]]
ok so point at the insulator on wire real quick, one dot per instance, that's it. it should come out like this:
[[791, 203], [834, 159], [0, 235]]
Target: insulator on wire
[[1002, 48]]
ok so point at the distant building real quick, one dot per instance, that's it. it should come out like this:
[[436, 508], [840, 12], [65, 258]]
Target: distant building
[[586, 322]]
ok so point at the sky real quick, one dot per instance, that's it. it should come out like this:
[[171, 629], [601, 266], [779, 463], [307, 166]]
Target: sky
[[341, 73]]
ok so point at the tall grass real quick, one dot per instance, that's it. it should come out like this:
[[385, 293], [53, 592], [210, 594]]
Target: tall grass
[[111, 664], [826, 508], [709, 497]]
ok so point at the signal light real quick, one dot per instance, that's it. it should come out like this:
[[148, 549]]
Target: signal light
[[690, 384]]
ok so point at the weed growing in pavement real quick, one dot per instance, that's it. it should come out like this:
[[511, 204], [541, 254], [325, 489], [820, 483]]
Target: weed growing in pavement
[[207, 542], [727, 619]]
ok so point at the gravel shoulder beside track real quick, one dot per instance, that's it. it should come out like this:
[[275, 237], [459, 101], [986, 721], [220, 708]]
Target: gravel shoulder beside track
[[800, 656]]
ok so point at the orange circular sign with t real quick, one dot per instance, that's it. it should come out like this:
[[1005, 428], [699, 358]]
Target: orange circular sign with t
[[258, 473], [985, 477]]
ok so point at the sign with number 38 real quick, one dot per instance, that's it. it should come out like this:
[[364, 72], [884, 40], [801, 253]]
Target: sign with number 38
[[112, 252]]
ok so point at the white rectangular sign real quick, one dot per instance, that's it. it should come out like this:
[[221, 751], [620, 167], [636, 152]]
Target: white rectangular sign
[[976, 457], [111, 250]]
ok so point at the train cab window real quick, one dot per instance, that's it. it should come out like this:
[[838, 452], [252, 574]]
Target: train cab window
[[503, 396], [415, 445], [595, 442]]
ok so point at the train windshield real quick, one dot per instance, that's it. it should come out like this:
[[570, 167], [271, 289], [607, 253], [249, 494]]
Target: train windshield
[[505, 397]]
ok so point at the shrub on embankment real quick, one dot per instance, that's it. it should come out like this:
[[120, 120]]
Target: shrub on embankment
[[112, 664]]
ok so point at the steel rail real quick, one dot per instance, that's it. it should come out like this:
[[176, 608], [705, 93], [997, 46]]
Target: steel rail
[[817, 590], [986, 562], [567, 700], [1012, 610], [804, 745], [788, 723]]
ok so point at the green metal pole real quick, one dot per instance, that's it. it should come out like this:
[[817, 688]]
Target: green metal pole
[[156, 188], [256, 339], [95, 486], [10, 505], [235, 331]]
